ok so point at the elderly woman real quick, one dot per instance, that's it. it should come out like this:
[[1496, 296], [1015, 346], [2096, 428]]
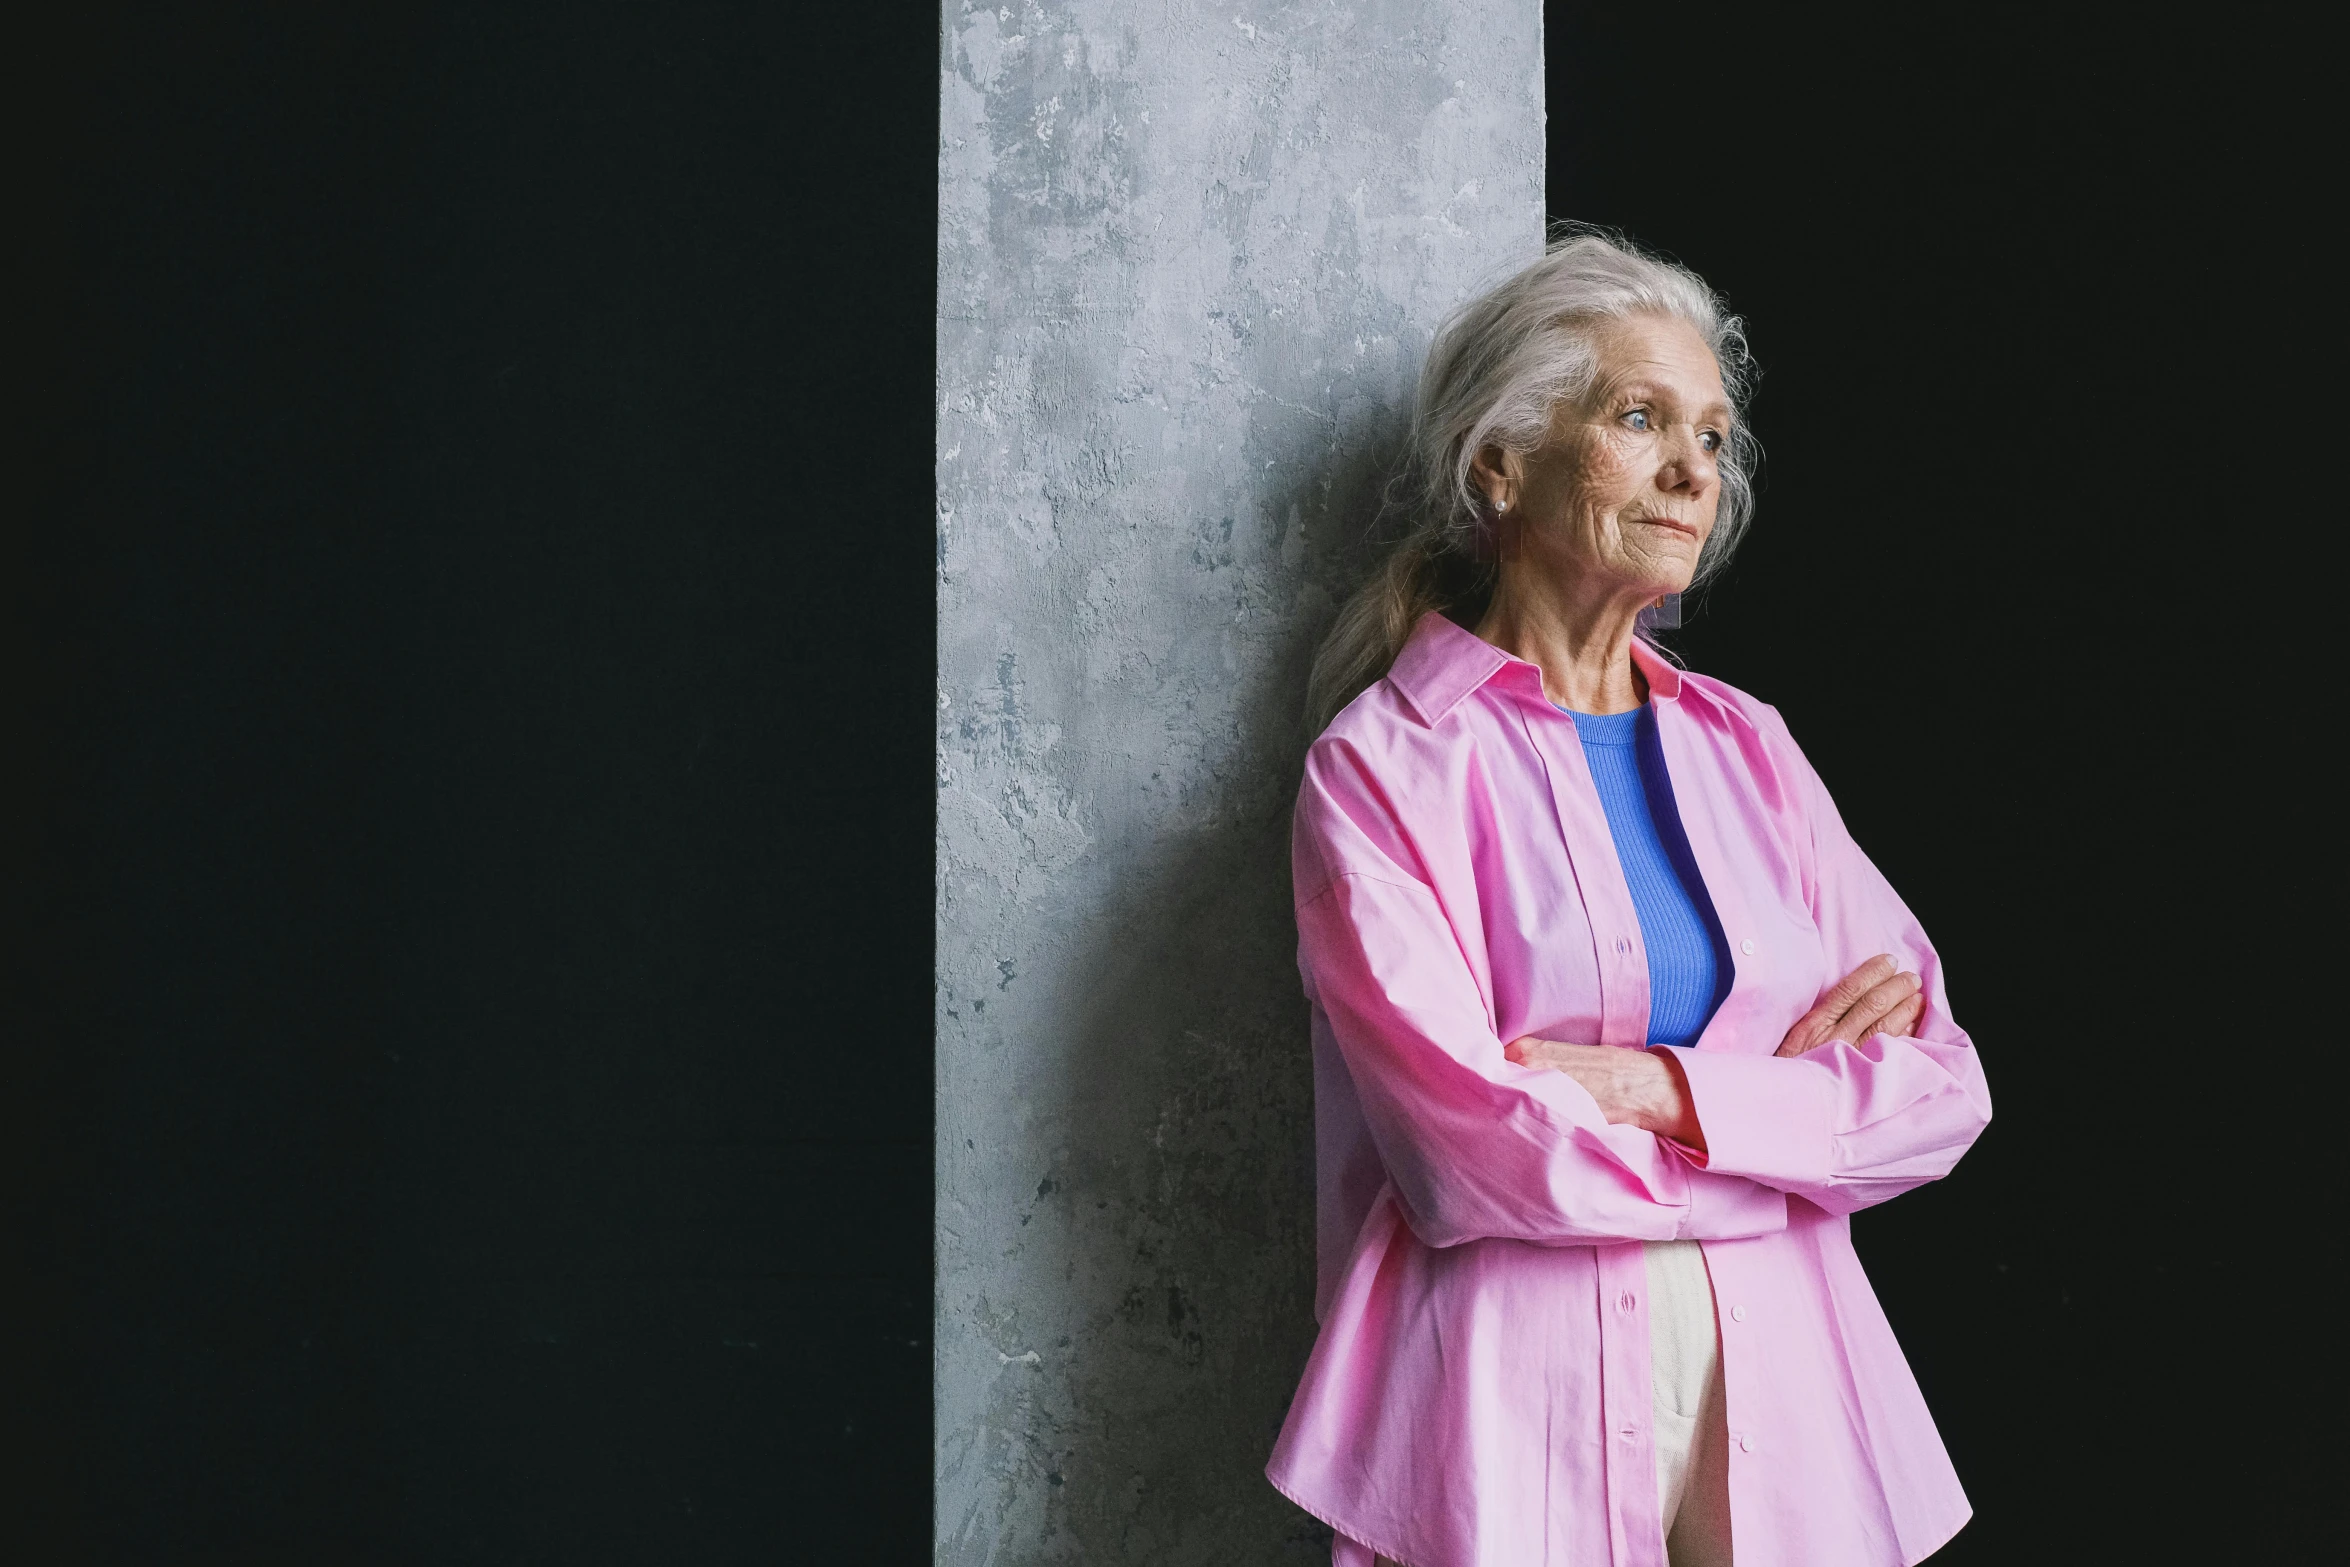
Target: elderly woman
[[1614, 1025]]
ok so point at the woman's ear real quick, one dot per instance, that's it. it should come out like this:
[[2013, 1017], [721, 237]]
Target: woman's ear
[[1496, 472]]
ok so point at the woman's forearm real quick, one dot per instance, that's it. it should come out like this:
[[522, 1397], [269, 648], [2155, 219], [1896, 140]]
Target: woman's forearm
[[1643, 1088]]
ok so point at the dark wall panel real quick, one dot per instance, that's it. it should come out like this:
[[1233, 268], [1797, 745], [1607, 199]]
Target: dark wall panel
[[481, 1087]]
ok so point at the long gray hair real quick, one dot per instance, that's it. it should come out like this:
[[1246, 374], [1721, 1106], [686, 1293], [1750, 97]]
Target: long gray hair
[[1496, 373]]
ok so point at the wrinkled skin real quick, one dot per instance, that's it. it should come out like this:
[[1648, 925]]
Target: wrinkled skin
[[1611, 513]]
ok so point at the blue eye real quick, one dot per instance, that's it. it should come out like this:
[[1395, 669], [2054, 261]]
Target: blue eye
[[1711, 440], [1637, 418]]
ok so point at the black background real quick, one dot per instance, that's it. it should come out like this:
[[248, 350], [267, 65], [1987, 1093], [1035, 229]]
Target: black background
[[470, 1101], [469, 701], [2048, 460]]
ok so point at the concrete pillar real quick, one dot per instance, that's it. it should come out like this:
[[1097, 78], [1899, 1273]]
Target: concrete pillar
[[1189, 257]]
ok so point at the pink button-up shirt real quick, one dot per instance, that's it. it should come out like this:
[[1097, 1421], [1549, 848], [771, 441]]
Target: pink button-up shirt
[[1479, 1394]]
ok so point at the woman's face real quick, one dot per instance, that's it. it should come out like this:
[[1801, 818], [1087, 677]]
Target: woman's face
[[1624, 493]]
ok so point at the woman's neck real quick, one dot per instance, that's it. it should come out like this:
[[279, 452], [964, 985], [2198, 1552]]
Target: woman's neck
[[1582, 643]]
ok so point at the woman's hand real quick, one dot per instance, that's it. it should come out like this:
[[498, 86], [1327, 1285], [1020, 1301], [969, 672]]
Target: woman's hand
[[1642, 1088], [1872, 999]]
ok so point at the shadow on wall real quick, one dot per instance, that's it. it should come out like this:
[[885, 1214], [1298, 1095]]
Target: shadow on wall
[[1194, 1235]]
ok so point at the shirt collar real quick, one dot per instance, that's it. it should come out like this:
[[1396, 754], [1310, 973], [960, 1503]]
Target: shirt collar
[[1442, 663], [1661, 673]]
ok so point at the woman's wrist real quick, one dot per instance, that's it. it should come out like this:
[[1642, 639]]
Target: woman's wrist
[[1673, 1112]]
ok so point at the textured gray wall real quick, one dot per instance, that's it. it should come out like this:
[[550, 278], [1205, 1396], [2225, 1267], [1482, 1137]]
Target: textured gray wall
[[1188, 261]]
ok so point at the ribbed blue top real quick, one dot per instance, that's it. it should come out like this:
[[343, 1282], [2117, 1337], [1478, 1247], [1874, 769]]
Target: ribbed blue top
[[1689, 967]]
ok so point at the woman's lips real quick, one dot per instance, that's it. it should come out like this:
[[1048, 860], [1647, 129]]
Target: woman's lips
[[1668, 522]]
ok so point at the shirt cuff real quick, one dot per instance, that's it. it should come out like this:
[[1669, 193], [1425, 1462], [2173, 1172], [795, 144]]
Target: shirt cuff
[[1730, 1208], [1768, 1118]]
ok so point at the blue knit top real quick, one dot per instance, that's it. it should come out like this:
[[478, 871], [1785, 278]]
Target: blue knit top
[[1689, 967]]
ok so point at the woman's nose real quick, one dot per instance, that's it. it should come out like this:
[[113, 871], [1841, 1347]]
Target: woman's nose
[[1689, 468]]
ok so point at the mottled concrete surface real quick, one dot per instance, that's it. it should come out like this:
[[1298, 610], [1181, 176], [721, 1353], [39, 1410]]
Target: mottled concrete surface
[[1188, 261]]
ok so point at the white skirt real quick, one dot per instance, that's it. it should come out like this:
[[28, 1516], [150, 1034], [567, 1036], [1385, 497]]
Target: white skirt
[[1692, 1427]]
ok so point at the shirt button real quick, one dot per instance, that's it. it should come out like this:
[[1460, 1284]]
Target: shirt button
[[1631, 1433], [1628, 1301], [1737, 1313], [1622, 945], [1746, 1444], [1747, 946]]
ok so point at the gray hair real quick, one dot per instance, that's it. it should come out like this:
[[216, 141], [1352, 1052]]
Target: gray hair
[[1496, 374]]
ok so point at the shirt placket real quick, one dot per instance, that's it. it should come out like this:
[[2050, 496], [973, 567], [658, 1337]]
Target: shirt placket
[[1700, 824], [1735, 1303], [1636, 1536], [1627, 1398], [1617, 949], [1736, 1311]]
